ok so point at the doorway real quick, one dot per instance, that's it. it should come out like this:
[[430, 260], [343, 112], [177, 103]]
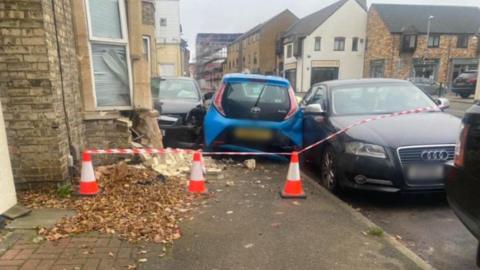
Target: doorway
[[7, 190]]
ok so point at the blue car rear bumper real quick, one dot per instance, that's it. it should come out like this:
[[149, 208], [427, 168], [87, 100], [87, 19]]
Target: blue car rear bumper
[[215, 124]]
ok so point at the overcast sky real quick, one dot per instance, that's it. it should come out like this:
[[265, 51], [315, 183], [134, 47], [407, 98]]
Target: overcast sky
[[238, 16]]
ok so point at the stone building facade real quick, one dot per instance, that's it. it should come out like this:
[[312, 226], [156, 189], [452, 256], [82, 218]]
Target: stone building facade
[[47, 86], [450, 50], [255, 50]]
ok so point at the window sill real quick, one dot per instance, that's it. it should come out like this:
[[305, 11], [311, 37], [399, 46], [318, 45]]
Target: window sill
[[101, 115]]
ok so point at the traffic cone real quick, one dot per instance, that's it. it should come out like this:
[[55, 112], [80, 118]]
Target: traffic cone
[[88, 183], [197, 181], [293, 187]]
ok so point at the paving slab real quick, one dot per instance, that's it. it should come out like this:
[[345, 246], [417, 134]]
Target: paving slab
[[39, 218], [17, 211]]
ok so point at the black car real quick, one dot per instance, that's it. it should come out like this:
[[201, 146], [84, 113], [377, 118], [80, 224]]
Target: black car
[[463, 181], [182, 109], [403, 153], [465, 84]]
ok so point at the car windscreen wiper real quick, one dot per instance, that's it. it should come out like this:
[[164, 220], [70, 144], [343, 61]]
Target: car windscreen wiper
[[259, 96]]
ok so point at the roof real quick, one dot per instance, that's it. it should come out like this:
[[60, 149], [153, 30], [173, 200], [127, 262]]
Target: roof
[[308, 24], [249, 32], [260, 26], [246, 77], [447, 19]]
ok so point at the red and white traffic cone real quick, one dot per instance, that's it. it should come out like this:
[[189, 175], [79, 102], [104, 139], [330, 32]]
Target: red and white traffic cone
[[197, 181], [88, 183], [293, 187]]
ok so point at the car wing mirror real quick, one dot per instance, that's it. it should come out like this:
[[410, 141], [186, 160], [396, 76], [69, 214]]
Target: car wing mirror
[[314, 109], [443, 103]]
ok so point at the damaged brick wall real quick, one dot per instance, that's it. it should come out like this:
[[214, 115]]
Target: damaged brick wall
[[108, 133], [33, 88]]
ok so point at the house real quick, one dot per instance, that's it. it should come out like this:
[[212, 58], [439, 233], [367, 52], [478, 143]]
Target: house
[[326, 45], [169, 44], [255, 50], [72, 73], [211, 52], [398, 47]]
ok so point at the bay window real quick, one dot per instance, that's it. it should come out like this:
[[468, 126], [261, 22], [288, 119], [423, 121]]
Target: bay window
[[109, 53]]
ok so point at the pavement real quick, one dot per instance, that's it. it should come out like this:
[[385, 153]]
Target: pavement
[[245, 225], [248, 226], [458, 105]]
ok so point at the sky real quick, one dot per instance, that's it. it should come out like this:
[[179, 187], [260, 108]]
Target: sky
[[238, 16]]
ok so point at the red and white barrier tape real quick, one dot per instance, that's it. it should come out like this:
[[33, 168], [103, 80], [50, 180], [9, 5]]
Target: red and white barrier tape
[[188, 151]]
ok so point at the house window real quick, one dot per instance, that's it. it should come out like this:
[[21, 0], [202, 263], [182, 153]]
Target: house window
[[355, 44], [409, 43], [318, 44], [109, 53], [339, 44], [434, 41], [163, 21], [255, 58], [427, 69], [146, 48], [377, 68], [289, 50], [291, 76], [462, 41]]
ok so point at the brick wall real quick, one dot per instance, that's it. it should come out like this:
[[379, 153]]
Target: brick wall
[[34, 81], [380, 43], [107, 133], [383, 45]]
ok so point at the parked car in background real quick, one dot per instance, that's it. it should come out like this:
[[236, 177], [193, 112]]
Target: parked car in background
[[182, 109], [465, 84], [463, 181], [429, 86], [253, 113], [404, 153]]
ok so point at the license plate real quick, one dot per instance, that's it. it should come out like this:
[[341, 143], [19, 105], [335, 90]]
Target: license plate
[[425, 172], [253, 134]]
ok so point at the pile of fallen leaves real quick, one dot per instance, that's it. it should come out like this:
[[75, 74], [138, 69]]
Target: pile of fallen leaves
[[135, 203]]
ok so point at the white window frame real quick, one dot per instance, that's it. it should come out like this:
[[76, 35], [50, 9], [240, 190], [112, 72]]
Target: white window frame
[[319, 43], [289, 51], [149, 52], [109, 41]]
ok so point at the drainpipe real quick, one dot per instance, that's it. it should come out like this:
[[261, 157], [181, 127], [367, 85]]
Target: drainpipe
[[62, 87]]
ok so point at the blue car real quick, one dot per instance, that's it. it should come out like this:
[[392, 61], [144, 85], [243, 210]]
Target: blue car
[[253, 113]]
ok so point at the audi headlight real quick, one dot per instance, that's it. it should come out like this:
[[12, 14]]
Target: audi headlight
[[365, 149]]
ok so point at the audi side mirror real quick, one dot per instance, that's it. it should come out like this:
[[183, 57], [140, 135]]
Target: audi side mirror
[[314, 109], [443, 103]]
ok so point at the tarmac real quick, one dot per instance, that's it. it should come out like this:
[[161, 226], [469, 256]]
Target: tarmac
[[248, 226]]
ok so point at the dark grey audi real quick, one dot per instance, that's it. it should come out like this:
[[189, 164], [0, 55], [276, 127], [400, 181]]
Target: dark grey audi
[[403, 153]]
